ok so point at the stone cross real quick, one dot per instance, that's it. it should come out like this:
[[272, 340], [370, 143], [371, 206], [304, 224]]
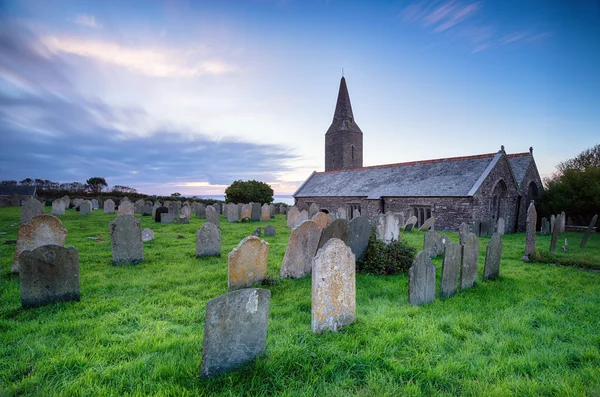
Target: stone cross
[[589, 231], [450, 270], [247, 263], [126, 240], [421, 280], [30, 209], [493, 255], [40, 230], [300, 251], [208, 240], [470, 257]]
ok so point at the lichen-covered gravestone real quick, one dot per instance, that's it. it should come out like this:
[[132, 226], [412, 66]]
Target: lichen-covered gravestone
[[58, 207], [30, 209], [333, 287], [292, 217], [213, 216], [312, 210], [265, 213], [126, 207], [208, 240], [231, 211], [321, 219], [358, 236], [109, 206], [247, 263], [428, 224], [301, 248], [493, 254], [246, 211], [530, 231], [235, 330], [85, 208], [49, 274], [433, 244], [126, 240], [147, 235], [388, 228], [421, 280], [270, 231], [470, 257], [450, 270], [589, 231], [255, 216], [41, 230]]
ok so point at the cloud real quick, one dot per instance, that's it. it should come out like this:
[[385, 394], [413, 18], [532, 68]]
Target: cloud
[[88, 21]]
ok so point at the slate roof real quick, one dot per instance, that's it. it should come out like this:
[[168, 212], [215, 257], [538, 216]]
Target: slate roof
[[22, 190], [343, 118], [449, 177], [519, 163]]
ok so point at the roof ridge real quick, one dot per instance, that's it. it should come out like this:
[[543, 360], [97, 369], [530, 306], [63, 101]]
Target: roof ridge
[[519, 154]]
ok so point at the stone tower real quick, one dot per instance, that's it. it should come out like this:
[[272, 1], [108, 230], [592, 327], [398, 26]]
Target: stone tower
[[344, 139]]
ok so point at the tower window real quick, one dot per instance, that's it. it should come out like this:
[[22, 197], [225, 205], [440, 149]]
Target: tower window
[[352, 152]]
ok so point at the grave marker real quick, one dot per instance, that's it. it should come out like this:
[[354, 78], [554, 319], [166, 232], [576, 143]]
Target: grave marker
[[126, 240], [421, 280], [301, 249], [247, 263]]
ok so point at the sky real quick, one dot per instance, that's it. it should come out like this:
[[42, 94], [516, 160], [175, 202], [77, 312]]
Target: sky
[[188, 96]]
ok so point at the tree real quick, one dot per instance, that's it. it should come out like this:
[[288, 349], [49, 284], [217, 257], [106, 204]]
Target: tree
[[249, 191], [176, 194], [588, 158], [8, 183], [96, 184], [26, 182], [123, 189]]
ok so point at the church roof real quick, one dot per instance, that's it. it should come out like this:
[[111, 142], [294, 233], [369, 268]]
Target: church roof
[[449, 177], [20, 190], [519, 163], [343, 117]]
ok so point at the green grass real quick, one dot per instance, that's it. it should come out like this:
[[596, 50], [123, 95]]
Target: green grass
[[138, 329]]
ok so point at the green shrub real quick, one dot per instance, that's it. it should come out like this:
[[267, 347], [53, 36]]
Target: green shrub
[[381, 258]]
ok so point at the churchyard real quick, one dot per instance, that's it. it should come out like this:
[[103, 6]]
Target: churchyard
[[138, 329]]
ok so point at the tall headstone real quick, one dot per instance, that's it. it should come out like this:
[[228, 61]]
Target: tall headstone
[[337, 229], [208, 240], [555, 234], [255, 216], [450, 270], [30, 209], [201, 211], [312, 210], [126, 240], [589, 231], [470, 258], [301, 248], [109, 206], [433, 244], [552, 223], [388, 228], [530, 226], [247, 263], [563, 221], [321, 219], [358, 236], [40, 230], [212, 216], [428, 224], [231, 210], [421, 280], [58, 207], [493, 254], [265, 213], [333, 287], [235, 330], [126, 207], [246, 211], [85, 208], [463, 230], [49, 273]]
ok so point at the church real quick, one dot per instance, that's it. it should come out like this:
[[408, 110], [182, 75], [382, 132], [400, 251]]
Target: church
[[476, 189]]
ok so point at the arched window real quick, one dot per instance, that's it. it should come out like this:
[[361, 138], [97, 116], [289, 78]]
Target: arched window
[[498, 203], [532, 192]]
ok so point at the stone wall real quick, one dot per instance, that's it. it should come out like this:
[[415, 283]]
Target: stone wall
[[531, 175]]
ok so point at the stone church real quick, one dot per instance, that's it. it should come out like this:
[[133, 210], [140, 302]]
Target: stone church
[[476, 189]]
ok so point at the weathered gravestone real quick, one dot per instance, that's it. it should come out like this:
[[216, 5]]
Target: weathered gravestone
[[166, 217], [500, 226], [555, 234], [470, 256], [218, 208], [282, 209], [401, 219], [463, 231], [270, 231], [208, 240], [181, 220], [333, 287], [126, 207], [201, 211], [301, 248], [358, 236], [530, 231], [247, 263], [213, 216], [428, 224], [303, 217], [235, 330], [95, 204], [186, 211], [255, 216], [137, 206], [445, 240], [337, 229], [30, 209], [552, 223], [126, 240], [563, 220], [58, 207], [388, 228], [312, 210], [450, 270], [49, 274], [421, 280], [545, 227], [433, 244], [147, 235], [109, 206], [321, 219], [158, 213], [246, 211], [85, 208], [231, 211], [256, 232], [240, 206], [265, 213], [589, 231], [410, 223], [41, 230], [77, 202], [493, 254], [67, 201], [341, 213], [292, 217]]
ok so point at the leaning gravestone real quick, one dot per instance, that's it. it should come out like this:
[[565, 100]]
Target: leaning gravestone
[[333, 287], [410, 223], [463, 230], [428, 224], [30, 209], [493, 254], [58, 207], [166, 217], [555, 234], [450, 270], [388, 228], [292, 217], [109, 207], [530, 232], [265, 213], [49, 274], [85, 208], [147, 235], [337, 229], [270, 231], [321, 219], [126, 207], [126, 240], [301, 248], [231, 211], [358, 236], [312, 210], [235, 330], [421, 280], [500, 226], [433, 244], [470, 256], [158, 213], [41, 230], [212, 216], [255, 215], [589, 231], [208, 240], [247, 263]]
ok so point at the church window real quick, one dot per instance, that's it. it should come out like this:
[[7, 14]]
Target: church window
[[422, 212], [353, 210], [352, 152]]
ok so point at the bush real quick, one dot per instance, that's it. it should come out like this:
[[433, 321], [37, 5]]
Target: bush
[[249, 191], [381, 258]]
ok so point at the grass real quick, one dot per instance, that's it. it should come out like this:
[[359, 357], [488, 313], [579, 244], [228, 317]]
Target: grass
[[138, 329]]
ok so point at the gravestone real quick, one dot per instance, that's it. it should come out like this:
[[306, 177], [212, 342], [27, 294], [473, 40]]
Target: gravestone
[[181, 220], [158, 213], [77, 202], [333, 287], [213, 216], [358, 236], [49, 273], [270, 231], [493, 255], [476, 227], [410, 223], [235, 330], [67, 201], [85, 208], [95, 204], [303, 217], [58, 207], [40, 230], [126, 240], [565, 247], [255, 216], [256, 232], [186, 211], [201, 211], [321, 219], [341, 213], [530, 225], [545, 228], [337, 229], [146, 210], [247, 263], [265, 213], [231, 210], [445, 240], [217, 207], [240, 206], [166, 217], [428, 224], [552, 223], [421, 280], [450, 270], [30, 209], [147, 235], [563, 220], [301, 206], [589, 231], [433, 244], [555, 234], [500, 226], [463, 230], [109, 206], [292, 217], [300, 251], [312, 210], [282, 209], [470, 257], [126, 208], [208, 240], [246, 211], [137, 206], [388, 228]]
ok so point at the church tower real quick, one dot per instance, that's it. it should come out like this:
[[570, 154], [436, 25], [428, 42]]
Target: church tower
[[344, 139]]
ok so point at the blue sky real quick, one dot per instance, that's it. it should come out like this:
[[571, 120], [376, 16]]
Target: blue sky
[[189, 96]]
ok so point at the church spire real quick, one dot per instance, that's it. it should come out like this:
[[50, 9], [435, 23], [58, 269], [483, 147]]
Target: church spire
[[343, 108]]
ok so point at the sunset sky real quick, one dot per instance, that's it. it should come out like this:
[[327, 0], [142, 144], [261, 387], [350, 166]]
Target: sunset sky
[[188, 96]]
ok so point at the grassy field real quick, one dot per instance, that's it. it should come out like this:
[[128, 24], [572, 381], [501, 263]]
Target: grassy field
[[138, 329]]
